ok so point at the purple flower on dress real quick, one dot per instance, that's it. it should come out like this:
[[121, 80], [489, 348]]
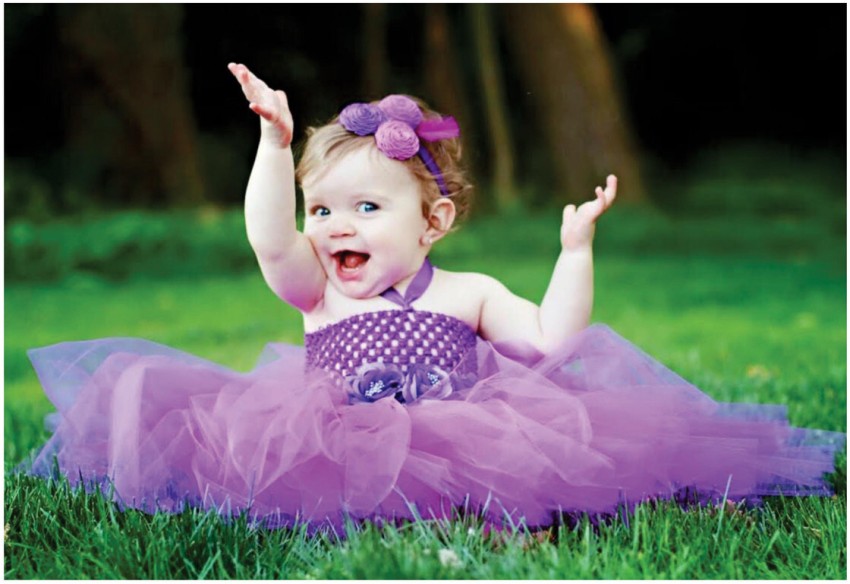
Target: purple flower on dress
[[426, 381], [397, 140], [362, 118], [375, 381], [401, 108]]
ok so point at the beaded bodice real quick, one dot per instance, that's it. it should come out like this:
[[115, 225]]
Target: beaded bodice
[[399, 337], [402, 337]]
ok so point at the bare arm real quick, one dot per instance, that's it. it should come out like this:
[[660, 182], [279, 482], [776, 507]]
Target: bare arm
[[568, 301], [286, 257]]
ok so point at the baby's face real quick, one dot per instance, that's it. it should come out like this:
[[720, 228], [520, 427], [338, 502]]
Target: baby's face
[[364, 219]]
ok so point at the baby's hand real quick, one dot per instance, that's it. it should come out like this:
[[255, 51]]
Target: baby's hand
[[271, 106], [579, 224]]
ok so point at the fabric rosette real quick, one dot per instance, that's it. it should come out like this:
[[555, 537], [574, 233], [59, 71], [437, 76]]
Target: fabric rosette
[[362, 118], [397, 140], [401, 108], [398, 124], [426, 382], [376, 381]]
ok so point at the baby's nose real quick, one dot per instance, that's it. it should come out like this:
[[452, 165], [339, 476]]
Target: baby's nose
[[341, 226]]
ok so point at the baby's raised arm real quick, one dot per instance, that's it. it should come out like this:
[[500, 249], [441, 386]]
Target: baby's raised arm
[[286, 257], [568, 301]]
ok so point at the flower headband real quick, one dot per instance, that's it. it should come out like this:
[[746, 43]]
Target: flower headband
[[398, 124]]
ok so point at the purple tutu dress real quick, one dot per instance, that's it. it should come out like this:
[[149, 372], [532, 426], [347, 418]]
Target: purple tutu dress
[[409, 414]]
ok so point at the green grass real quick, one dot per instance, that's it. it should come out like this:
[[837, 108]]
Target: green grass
[[64, 534], [762, 327]]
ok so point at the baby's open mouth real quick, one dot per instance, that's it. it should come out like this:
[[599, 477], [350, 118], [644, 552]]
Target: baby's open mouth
[[350, 260]]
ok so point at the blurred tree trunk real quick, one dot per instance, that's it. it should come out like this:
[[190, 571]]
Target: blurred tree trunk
[[566, 67], [443, 80], [375, 50], [501, 151], [129, 118]]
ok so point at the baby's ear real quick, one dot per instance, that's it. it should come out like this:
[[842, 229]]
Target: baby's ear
[[441, 218]]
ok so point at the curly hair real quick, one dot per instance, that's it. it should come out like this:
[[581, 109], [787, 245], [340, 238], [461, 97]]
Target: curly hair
[[329, 143]]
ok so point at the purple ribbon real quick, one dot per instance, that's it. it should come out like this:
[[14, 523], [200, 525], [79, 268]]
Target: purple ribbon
[[442, 129], [415, 289], [431, 165], [433, 130]]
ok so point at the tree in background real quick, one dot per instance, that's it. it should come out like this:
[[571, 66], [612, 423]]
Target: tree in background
[[562, 58], [128, 103], [129, 122], [374, 50], [564, 62], [500, 144], [445, 87]]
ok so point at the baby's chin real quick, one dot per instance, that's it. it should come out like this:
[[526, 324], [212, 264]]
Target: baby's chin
[[368, 280], [357, 290]]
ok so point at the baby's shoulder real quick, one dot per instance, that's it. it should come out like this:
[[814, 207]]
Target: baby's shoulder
[[467, 282], [460, 294]]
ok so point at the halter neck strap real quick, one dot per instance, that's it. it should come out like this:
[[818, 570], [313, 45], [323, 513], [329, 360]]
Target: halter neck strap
[[415, 289]]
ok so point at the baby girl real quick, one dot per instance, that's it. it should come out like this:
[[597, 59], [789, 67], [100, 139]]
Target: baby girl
[[417, 390]]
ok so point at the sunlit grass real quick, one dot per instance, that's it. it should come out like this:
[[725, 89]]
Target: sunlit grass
[[759, 329]]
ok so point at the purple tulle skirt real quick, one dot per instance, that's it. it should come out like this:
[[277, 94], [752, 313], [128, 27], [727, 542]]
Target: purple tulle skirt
[[591, 428]]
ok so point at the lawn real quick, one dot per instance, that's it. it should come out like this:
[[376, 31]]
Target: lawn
[[763, 327]]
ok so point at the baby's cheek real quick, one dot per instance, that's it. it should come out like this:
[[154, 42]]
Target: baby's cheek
[[312, 232]]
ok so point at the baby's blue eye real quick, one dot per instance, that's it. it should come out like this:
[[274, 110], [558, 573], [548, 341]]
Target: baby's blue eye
[[320, 211], [367, 207]]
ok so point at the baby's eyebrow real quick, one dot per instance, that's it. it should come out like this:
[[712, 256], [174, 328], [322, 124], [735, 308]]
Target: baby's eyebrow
[[312, 199], [372, 197], [359, 197], [348, 198]]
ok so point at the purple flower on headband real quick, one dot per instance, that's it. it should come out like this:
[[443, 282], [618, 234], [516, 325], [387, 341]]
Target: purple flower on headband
[[401, 108], [398, 123], [361, 118], [397, 140]]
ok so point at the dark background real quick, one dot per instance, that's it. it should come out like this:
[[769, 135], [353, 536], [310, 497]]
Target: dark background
[[692, 76], [702, 74]]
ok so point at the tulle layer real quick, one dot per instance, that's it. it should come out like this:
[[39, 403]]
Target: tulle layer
[[593, 427]]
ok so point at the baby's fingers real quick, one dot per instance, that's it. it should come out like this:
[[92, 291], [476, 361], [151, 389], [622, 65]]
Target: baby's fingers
[[600, 194], [269, 110], [263, 112], [275, 111], [252, 86], [610, 190], [606, 197], [241, 72]]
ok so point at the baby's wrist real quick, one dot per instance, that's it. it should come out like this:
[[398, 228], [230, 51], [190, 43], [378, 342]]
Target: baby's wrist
[[271, 145], [272, 154], [274, 140], [272, 134], [578, 250]]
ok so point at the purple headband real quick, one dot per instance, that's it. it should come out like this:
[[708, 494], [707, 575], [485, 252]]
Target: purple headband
[[398, 124]]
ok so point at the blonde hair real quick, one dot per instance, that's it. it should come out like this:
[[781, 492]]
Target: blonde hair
[[329, 143]]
